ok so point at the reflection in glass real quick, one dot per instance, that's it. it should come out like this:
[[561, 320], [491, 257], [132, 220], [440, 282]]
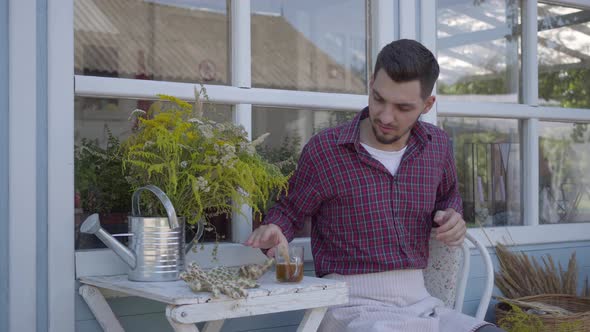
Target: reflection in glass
[[487, 156], [309, 45], [290, 130], [564, 172], [564, 56], [100, 126], [162, 40], [478, 50]]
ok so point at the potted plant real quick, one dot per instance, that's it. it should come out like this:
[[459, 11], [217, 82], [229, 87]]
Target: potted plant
[[205, 167]]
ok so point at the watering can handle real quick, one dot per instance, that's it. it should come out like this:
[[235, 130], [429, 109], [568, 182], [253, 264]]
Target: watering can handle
[[172, 219]]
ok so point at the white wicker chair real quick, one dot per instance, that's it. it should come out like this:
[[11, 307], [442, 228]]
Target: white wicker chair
[[448, 270]]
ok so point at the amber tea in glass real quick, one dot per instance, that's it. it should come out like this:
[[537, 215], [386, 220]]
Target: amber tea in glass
[[289, 266]]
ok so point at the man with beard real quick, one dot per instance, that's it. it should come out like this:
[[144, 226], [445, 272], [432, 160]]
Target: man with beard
[[374, 188]]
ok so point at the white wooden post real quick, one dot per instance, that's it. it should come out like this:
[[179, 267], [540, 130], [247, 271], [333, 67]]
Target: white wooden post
[[60, 165], [22, 166], [383, 27], [530, 127], [241, 77], [407, 19], [428, 39]]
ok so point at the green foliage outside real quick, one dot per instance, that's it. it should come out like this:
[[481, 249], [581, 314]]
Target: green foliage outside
[[571, 87], [100, 184], [202, 165], [474, 85], [568, 87], [285, 157]]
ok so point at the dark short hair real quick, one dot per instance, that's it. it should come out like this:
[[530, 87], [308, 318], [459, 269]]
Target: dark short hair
[[406, 60]]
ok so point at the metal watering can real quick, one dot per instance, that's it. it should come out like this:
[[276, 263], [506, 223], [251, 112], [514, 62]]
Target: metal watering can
[[156, 246]]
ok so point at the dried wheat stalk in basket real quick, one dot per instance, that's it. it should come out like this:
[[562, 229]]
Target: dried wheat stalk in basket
[[521, 276]]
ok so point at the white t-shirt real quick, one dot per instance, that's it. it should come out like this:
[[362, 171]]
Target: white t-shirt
[[389, 159]]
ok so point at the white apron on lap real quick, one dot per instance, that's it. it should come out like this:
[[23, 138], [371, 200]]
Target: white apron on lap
[[393, 301]]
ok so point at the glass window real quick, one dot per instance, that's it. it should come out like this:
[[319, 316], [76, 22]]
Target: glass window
[[100, 185], [164, 40], [487, 156], [290, 129], [310, 45], [564, 56], [478, 50], [564, 168]]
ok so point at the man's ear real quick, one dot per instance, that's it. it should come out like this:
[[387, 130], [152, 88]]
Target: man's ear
[[428, 103]]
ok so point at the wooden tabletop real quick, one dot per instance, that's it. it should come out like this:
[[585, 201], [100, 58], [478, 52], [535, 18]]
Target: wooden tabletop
[[178, 292]]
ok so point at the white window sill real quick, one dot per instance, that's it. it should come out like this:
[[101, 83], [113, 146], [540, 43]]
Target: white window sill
[[530, 235], [98, 262], [105, 262]]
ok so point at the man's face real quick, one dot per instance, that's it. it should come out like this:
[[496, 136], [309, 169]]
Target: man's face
[[394, 109]]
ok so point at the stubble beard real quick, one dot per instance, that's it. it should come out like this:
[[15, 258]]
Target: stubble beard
[[382, 139]]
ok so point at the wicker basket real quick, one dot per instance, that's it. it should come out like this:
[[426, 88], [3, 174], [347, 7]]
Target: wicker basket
[[579, 321]]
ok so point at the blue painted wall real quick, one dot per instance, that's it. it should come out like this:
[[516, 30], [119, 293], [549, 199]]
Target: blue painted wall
[[142, 315], [3, 165]]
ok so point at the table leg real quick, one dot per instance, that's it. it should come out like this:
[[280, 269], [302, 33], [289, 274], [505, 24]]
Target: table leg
[[312, 319], [212, 326], [100, 308]]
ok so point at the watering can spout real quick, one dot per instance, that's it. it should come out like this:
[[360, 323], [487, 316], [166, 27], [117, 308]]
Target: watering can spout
[[92, 226]]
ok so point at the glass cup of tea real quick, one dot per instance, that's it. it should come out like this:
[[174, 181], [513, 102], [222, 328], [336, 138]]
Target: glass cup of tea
[[289, 266]]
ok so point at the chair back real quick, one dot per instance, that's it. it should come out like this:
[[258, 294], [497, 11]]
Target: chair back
[[447, 273]]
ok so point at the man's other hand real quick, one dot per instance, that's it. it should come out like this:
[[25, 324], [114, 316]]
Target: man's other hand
[[452, 228], [267, 237]]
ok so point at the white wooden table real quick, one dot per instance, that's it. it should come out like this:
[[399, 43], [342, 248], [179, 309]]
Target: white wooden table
[[185, 308]]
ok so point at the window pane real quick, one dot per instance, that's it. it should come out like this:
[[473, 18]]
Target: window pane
[[100, 186], [564, 172], [290, 130], [309, 45], [564, 56], [478, 50], [487, 155], [164, 40]]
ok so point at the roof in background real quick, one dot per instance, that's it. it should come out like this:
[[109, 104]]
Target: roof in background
[[135, 39]]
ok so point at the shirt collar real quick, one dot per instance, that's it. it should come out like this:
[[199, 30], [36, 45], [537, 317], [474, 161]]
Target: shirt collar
[[351, 132]]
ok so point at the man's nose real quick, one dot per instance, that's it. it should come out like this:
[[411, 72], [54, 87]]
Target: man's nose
[[388, 115]]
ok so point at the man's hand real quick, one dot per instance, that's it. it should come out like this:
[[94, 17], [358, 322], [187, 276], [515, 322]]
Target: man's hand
[[267, 237], [452, 229]]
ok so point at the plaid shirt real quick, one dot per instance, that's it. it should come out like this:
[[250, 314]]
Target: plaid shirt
[[363, 218]]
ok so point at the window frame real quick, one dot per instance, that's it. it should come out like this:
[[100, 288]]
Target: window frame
[[529, 114], [415, 20]]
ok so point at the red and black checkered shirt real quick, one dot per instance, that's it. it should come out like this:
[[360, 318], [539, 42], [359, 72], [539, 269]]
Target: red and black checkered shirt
[[363, 218]]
